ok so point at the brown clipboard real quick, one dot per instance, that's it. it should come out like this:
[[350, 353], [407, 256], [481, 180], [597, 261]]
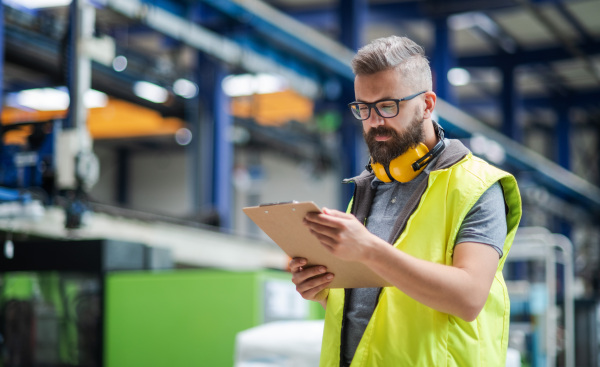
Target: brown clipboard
[[283, 223]]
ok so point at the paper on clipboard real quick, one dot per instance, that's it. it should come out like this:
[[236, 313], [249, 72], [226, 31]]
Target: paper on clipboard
[[283, 224]]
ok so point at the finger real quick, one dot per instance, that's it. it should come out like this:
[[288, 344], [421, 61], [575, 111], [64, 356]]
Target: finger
[[323, 229], [337, 213], [327, 241], [334, 221], [318, 293], [296, 263], [313, 285], [306, 273]]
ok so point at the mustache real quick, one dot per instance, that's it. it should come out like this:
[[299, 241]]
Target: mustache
[[381, 130]]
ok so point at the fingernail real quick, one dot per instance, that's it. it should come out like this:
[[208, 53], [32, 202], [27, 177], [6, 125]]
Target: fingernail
[[322, 269], [329, 277]]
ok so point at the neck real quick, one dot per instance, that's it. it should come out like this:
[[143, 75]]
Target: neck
[[431, 137]]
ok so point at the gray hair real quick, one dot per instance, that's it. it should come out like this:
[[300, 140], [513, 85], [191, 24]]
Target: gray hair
[[398, 53]]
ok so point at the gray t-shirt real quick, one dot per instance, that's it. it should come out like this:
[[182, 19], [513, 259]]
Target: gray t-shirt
[[482, 225]]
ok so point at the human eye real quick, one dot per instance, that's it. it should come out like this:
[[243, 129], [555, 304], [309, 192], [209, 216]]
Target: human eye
[[387, 107]]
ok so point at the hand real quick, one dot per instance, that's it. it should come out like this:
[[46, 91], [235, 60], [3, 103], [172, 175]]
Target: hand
[[342, 234], [310, 282]]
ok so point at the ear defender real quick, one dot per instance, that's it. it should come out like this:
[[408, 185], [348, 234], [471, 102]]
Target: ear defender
[[408, 165], [401, 168]]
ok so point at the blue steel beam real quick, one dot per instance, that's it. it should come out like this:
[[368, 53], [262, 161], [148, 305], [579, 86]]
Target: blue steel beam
[[323, 17], [573, 21], [223, 151], [302, 40], [510, 103], [443, 60], [523, 57], [1, 56], [557, 179], [562, 136], [574, 99], [352, 15]]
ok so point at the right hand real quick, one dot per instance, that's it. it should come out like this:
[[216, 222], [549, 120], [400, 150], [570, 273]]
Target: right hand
[[310, 282]]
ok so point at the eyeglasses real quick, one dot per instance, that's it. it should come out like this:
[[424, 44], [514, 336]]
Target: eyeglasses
[[386, 108]]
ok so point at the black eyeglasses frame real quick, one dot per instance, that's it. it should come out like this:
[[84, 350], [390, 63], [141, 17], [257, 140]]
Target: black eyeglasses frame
[[373, 105]]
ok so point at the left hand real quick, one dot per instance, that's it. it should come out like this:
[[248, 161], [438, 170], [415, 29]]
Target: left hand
[[341, 233]]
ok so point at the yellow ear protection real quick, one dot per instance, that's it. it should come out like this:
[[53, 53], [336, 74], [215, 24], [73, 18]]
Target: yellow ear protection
[[408, 165]]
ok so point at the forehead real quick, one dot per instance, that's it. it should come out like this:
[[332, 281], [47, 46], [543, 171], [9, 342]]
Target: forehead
[[384, 84]]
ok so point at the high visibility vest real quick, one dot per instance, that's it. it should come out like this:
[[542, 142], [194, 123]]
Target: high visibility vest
[[404, 332]]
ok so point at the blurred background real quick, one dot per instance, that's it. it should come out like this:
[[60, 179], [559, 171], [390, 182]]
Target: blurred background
[[134, 132]]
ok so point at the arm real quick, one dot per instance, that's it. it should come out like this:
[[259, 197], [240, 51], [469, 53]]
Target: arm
[[460, 289]]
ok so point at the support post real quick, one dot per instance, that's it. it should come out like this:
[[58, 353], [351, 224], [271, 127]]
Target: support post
[[562, 136], [223, 152], [443, 61], [352, 19], [510, 103]]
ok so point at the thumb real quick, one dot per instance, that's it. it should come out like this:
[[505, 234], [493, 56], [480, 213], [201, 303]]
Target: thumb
[[334, 213]]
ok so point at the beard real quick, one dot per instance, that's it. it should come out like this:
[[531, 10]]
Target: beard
[[385, 151]]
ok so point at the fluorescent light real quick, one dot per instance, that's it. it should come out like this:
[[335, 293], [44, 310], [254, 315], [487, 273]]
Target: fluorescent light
[[119, 63], [44, 99], [150, 92], [459, 76], [53, 99], [36, 4], [248, 84], [185, 88], [95, 99]]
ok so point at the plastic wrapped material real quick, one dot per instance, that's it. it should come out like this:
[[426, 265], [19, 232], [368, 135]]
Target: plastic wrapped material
[[281, 344]]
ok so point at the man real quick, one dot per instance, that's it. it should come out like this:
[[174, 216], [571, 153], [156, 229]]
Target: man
[[450, 219]]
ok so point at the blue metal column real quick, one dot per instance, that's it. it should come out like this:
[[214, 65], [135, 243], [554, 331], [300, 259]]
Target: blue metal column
[[510, 103], [212, 151], [1, 56], [223, 151], [352, 19], [562, 139], [443, 61], [562, 136]]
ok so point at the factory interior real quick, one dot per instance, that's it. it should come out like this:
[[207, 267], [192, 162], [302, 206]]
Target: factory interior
[[134, 132]]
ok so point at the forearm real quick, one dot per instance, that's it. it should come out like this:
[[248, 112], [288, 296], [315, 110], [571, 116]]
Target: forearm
[[448, 289]]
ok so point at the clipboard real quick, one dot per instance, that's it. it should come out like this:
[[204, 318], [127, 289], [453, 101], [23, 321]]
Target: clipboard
[[282, 222]]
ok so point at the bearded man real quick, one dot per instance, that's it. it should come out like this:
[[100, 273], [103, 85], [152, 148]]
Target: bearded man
[[427, 216]]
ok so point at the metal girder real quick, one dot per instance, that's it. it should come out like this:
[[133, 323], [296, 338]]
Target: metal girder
[[550, 174], [574, 99], [207, 41], [523, 57], [281, 28]]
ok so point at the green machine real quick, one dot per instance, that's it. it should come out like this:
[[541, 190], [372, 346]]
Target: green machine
[[100, 303], [191, 317]]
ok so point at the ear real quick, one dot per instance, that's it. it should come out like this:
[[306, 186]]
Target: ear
[[430, 99]]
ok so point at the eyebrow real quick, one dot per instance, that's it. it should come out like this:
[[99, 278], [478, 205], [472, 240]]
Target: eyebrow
[[381, 99]]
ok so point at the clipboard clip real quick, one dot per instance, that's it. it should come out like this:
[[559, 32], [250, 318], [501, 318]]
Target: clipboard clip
[[279, 203]]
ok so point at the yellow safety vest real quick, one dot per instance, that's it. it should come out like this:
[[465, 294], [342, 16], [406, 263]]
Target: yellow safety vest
[[404, 332]]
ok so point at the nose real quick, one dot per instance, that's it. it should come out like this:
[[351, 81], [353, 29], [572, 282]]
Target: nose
[[374, 120]]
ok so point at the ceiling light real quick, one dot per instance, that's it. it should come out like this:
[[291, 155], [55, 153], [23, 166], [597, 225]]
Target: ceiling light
[[53, 99], [458, 76], [183, 136], [185, 88], [36, 4], [119, 63], [248, 84], [43, 99], [150, 92], [95, 99]]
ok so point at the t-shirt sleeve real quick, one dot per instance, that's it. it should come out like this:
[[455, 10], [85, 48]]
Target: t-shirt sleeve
[[486, 221]]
